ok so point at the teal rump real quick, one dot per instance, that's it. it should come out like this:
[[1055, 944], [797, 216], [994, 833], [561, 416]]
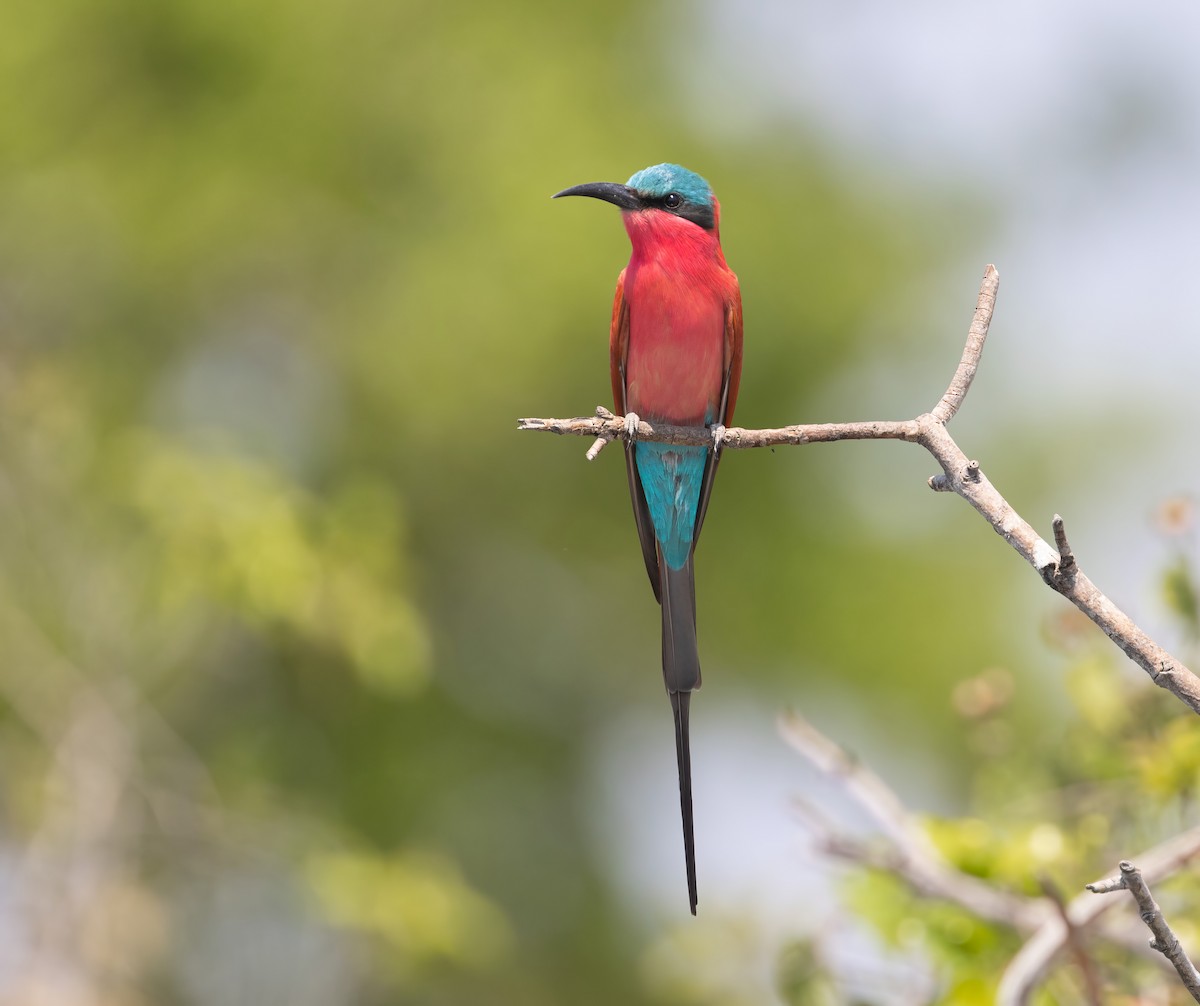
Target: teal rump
[[672, 478]]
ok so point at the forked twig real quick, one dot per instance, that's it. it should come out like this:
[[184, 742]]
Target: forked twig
[[1165, 941]]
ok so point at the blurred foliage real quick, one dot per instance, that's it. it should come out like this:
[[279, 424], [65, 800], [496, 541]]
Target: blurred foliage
[[416, 902], [1057, 809], [302, 675], [233, 532]]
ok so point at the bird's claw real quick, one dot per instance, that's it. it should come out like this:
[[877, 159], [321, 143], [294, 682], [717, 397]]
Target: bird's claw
[[718, 435], [631, 426]]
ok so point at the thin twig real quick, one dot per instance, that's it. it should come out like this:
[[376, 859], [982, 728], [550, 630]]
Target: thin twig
[[1074, 942], [959, 474], [1165, 941]]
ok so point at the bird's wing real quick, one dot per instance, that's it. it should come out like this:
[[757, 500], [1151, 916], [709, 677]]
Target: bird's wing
[[733, 354], [729, 393], [618, 345]]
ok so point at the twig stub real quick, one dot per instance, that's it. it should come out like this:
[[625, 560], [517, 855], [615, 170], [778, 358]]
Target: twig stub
[[1066, 558]]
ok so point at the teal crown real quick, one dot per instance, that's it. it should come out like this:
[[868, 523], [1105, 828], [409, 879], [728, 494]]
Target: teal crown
[[655, 182]]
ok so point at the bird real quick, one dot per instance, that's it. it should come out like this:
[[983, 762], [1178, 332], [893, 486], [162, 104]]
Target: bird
[[675, 349]]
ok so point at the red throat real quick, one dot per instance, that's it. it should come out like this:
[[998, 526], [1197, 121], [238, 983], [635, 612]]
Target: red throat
[[655, 233]]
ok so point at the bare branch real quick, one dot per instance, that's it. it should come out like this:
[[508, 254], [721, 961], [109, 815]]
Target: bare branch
[[959, 474], [960, 383], [917, 860], [1026, 970], [609, 427], [1165, 941], [831, 841], [971, 484], [911, 857]]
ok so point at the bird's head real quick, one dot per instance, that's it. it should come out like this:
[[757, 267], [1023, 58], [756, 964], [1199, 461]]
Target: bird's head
[[666, 188]]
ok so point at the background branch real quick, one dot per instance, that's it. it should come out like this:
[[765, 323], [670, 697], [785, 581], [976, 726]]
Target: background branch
[[1074, 942], [1051, 925], [959, 475], [916, 861], [1026, 970]]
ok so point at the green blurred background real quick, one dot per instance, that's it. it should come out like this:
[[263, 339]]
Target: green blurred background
[[319, 682]]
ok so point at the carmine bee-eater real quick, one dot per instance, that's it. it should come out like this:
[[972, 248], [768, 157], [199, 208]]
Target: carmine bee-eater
[[676, 354]]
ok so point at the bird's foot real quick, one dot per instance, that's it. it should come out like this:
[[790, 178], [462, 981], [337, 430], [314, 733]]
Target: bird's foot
[[718, 435], [631, 426]]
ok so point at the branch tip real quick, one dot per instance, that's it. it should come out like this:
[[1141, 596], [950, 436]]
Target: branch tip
[[960, 383]]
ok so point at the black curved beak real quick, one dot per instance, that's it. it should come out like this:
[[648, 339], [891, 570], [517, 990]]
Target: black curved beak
[[619, 195]]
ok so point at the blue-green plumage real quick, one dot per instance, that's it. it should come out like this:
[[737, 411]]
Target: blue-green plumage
[[672, 478], [655, 182], [676, 190]]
